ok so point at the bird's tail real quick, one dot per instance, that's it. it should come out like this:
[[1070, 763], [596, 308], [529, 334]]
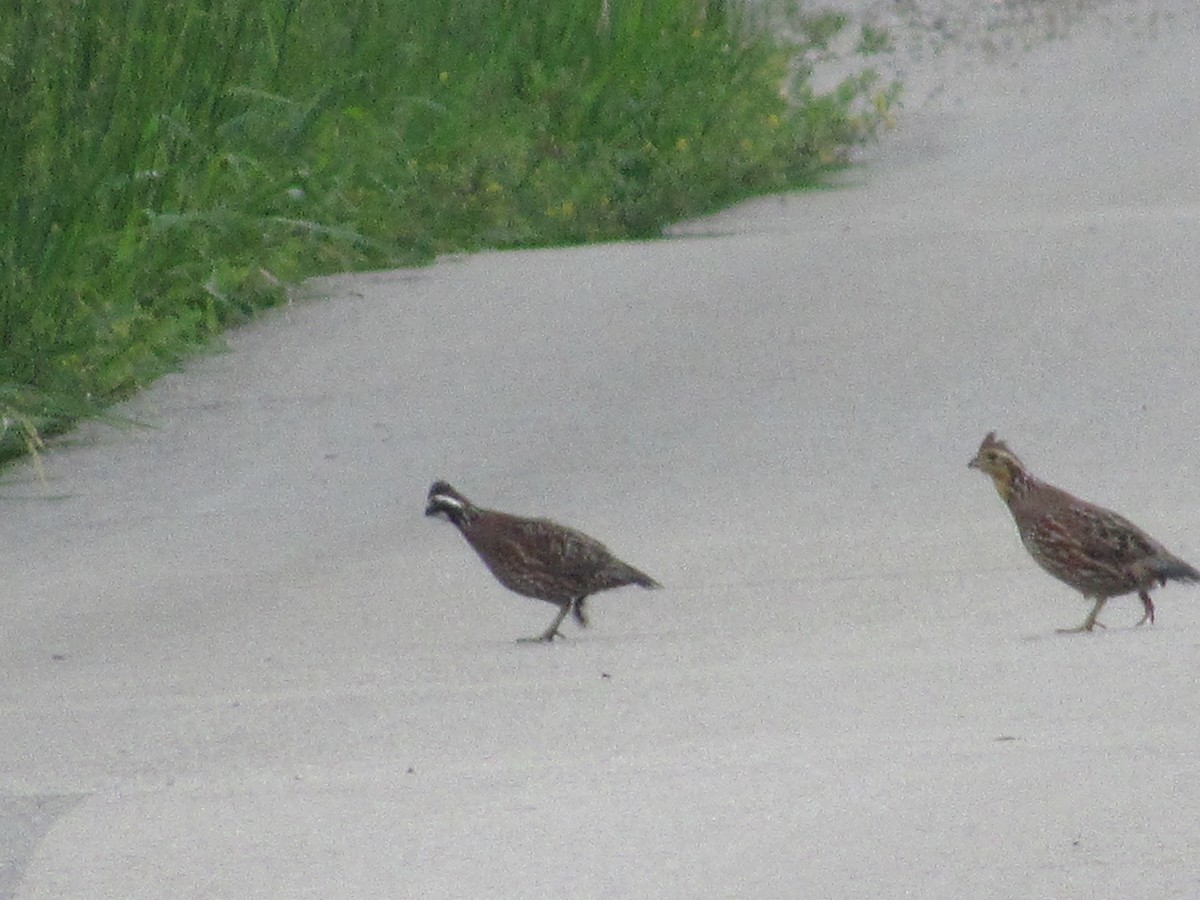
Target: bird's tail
[[630, 575], [616, 574], [1171, 568]]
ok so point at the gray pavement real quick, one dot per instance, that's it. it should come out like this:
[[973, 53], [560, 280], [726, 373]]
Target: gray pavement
[[238, 662]]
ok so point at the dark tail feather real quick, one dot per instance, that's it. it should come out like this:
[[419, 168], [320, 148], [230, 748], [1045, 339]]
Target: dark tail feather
[[1171, 568], [641, 579]]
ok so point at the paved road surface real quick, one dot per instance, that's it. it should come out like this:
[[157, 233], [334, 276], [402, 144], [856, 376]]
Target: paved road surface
[[238, 662]]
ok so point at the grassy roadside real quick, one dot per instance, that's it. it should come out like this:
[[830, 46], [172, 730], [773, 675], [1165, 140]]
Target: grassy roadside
[[169, 168]]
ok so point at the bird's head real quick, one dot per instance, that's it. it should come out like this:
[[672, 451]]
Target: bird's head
[[444, 502], [996, 460]]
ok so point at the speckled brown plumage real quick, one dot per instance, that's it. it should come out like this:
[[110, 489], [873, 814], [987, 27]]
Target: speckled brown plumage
[[1096, 551], [536, 557]]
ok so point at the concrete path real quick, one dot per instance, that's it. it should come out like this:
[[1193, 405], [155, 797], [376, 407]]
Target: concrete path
[[238, 662]]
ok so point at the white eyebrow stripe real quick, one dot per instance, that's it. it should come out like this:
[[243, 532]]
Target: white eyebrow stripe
[[447, 500]]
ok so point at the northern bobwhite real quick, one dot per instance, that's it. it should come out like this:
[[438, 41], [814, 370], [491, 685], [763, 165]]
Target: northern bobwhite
[[1094, 550], [536, 557]]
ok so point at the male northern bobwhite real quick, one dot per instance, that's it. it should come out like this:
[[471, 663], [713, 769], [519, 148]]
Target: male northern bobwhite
[[1094, 550], [536, 557]]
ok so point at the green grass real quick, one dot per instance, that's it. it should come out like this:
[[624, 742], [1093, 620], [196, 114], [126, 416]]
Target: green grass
[[169, 168]]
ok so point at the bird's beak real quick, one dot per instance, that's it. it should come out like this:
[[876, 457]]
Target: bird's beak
[[974, 463]]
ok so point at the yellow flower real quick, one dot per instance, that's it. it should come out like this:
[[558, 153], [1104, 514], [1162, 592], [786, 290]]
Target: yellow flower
[[493, 187], [773, 120], [681, 144], [443, 77]]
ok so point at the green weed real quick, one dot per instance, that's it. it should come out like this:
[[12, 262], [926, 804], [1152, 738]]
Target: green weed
[[169, 168], [873, 39]]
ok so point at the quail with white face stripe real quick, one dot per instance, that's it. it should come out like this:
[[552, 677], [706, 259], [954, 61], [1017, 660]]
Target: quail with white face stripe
[[536, 557]]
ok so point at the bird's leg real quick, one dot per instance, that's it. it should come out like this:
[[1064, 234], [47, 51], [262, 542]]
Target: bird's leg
[[1090, 622], [579, 611], [552, 632], [1148, 606]]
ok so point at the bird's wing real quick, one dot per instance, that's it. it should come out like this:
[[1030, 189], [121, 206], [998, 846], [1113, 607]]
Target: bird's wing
[[1107, 537], [563, 549]]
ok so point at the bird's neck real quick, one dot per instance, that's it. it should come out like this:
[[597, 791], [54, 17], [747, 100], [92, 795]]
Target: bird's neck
[[1013, 482], [460, 515]]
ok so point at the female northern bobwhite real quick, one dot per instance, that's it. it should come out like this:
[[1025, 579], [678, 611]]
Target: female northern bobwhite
[[536, 557], [1094, 550]]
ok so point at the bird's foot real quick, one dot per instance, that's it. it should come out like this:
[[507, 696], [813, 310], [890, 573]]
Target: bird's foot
[[546, 637], [1080, 629]]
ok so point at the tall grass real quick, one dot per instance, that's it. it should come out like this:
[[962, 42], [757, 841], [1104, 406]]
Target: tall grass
[[169, 167]]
